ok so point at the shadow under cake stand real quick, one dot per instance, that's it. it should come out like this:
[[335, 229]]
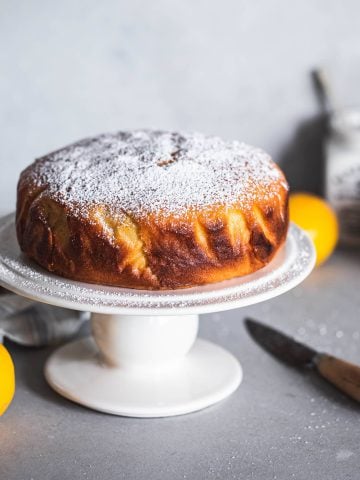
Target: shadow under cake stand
[[144, 358]]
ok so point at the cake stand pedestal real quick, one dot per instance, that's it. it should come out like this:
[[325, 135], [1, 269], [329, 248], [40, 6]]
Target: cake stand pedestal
[[143, 358], [143, 366]]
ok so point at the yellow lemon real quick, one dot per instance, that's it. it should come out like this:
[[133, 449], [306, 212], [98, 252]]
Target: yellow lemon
[[318, 219], [7, 379]]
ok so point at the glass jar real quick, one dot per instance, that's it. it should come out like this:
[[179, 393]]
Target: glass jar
[[342, 172]]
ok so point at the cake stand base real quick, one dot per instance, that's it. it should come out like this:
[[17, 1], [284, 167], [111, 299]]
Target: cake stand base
[[205, 376]]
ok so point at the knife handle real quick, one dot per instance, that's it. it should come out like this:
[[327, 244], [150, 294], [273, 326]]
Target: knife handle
[[344, 375]]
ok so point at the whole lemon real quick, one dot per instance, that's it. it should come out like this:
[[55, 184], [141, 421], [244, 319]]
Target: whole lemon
[[318, 219], [7, 379]]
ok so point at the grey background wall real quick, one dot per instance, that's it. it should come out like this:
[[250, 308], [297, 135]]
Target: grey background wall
[[237, 68]]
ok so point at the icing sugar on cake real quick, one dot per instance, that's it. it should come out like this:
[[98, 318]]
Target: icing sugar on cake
[[145, 171]]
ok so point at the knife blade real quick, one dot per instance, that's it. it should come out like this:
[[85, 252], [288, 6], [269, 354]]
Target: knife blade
[[342, 374]]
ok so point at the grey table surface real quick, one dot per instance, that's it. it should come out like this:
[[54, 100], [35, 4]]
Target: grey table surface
[[280, 424]]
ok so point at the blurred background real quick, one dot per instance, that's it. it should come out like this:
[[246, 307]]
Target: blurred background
[[240, 69]]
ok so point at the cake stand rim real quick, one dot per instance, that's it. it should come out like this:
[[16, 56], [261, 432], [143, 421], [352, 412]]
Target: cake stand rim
[[298, 262]]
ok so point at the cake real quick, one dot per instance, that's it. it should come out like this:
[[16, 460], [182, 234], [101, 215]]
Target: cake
[[152, 210]]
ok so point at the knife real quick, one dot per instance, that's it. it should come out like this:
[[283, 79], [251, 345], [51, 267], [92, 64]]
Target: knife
[[343, 375]]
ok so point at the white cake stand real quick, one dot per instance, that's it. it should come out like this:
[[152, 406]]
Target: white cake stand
[[143, 359]]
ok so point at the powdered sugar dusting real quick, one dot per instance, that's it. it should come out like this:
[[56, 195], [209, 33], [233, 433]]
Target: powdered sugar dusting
[[146, 171]]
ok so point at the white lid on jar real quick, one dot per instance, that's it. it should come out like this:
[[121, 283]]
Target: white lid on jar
[[346, 123]]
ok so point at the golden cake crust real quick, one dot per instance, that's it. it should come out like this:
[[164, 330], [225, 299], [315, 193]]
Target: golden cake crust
[[152, 210]]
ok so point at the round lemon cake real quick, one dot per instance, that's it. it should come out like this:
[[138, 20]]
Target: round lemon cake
[[152, 210]]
